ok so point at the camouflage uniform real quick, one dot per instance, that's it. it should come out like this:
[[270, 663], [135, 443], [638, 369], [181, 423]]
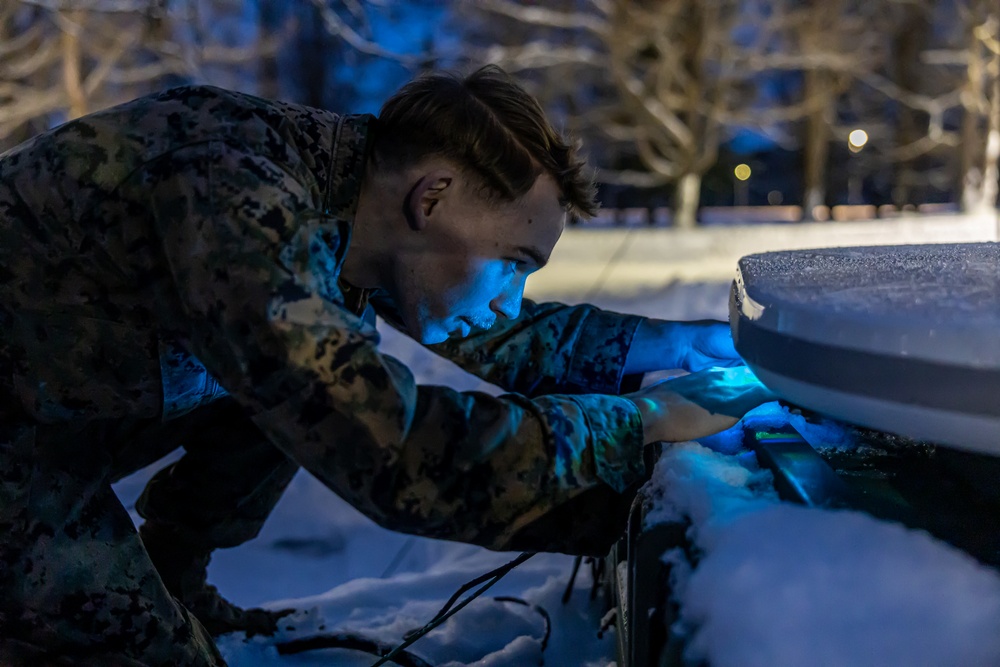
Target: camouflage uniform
[[159, 251]]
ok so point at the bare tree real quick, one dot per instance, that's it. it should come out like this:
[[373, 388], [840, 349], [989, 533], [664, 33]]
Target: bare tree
[[684, 74], [673, 74], [942, 76], [980, 146], [687, 73], [827, 43], [60, 59]]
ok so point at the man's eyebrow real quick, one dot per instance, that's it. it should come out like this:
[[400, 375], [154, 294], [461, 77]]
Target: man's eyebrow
[[535, 254]]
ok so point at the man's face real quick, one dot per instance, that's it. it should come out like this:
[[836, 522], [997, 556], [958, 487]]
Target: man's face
[[473, 258]]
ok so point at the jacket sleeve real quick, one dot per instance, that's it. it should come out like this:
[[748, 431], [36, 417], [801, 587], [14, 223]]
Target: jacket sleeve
[[548, 348], [252, 289]]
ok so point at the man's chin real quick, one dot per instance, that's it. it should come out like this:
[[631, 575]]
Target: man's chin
[[434, 339], [432, 334]]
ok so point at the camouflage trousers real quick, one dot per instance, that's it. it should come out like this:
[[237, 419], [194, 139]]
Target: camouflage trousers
[[76, 584]]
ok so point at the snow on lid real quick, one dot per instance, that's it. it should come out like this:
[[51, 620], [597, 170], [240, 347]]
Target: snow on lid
[[929, 281], [940, 302], [783, 585]]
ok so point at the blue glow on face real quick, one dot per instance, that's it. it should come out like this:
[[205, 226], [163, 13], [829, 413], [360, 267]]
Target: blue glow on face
[[494, 288], [474, 258], [470, 296]]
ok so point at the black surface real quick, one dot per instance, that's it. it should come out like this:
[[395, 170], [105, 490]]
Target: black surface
[[953, 495]]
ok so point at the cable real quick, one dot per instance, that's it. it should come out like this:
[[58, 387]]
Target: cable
[[451, 608], [398, 655], [572, 579], [398, 558], [541, 611], [350, 641], [598, 568], [596, 575], [609, 267], [356, 642]]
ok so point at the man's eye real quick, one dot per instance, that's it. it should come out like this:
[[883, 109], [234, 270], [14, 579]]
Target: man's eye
[[513, 265]]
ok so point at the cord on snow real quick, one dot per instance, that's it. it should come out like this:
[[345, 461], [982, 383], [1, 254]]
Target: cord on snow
[[399, 655], [354, 642], [451, 608]]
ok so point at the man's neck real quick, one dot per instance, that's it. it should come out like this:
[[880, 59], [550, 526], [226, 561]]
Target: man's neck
[[364, 265]]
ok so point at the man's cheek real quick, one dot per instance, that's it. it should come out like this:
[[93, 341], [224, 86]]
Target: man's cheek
[[488, 286]]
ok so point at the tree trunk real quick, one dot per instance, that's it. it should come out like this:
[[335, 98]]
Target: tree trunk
[[979, 146], [316, 52], [686, 199], [72, 66], [268, 19], [971, 148], [817, 142], [911, 36], [991, 159]]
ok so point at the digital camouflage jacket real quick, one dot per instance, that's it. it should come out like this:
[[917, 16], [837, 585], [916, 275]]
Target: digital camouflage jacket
[[156, 252]]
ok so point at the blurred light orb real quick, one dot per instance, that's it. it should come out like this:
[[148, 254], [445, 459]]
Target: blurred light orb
[[742, 171], [857, 140], [774, 197]]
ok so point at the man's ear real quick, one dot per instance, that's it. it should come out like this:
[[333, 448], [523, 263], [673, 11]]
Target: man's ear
[[426, 195]]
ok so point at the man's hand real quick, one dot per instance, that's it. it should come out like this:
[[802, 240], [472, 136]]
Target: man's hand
[[710, 345], [693, 346], [699, 404]]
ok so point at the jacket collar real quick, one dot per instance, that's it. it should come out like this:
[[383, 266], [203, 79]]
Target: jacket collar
[[348, 162]]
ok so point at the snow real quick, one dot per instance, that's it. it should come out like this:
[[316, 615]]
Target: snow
[[627, 262], [486, 632], [782, 585], [777, 585], [933, 302]]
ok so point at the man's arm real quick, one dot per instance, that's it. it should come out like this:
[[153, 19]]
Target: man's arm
[[555, 348], [549, 348], [249, 288]]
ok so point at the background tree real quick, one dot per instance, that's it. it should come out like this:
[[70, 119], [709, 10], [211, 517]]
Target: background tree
[[980, 142], [61, 59], [689, 75], [824, 45], [658, 90], [674, 75]]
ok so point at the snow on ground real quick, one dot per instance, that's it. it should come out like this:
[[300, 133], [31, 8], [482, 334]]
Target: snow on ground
[[316, 553], [629, 260]]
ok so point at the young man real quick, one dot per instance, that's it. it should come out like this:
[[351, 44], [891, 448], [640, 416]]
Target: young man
[[200, 268]]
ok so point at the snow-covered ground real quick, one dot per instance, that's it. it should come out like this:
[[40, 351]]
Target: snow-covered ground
[[318, 554], [590, 262]]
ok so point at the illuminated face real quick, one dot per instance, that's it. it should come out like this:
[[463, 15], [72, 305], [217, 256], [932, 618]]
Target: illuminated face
[[473, 258]]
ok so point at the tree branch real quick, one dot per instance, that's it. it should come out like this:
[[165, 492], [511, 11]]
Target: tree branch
[[535, 15]]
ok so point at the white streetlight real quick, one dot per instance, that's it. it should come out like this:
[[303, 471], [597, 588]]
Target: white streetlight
[[856, 140]]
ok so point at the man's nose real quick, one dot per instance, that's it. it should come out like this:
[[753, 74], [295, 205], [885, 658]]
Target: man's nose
[[508, 303]]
